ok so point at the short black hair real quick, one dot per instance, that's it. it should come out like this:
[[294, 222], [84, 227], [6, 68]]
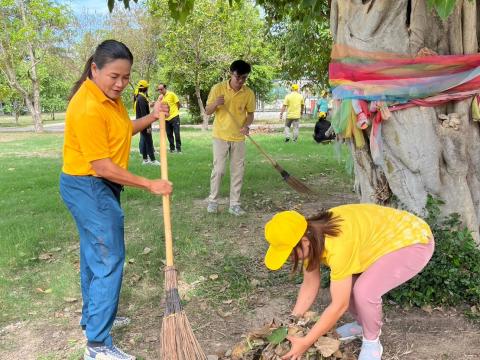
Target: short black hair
[[240, 67], [163, 84]]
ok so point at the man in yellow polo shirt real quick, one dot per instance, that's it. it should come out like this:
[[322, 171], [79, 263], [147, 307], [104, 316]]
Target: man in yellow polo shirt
[[234, 105], [294, 105], [172, 125]]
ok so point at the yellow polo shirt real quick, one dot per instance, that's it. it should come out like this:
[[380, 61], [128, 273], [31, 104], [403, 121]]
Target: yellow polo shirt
[[368, 232], [239, 103], [294, 102], [96, 127], [172, 100]]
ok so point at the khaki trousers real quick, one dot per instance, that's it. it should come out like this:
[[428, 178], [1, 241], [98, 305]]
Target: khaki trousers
[[296, 124], [236, 151]]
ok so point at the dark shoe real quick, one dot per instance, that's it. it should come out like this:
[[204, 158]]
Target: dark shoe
[[287, 140]]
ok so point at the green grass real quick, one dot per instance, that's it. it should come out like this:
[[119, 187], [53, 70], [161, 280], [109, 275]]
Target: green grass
[[26, 120], [38, 239]]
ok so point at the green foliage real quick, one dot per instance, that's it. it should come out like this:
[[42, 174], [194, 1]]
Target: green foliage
[[32, 50], [197, 54], [278, 335], [452, 275], [304, 49], [443, 7], [304, 10]]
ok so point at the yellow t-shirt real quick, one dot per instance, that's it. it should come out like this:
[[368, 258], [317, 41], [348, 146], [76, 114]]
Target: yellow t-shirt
[[239, 103], [294, 102], [96, 127], [172, 100], [368, 232]]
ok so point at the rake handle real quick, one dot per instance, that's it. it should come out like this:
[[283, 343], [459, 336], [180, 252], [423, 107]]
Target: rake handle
[[165, 198]]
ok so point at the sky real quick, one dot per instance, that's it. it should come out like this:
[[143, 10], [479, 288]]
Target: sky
[[80, 6]]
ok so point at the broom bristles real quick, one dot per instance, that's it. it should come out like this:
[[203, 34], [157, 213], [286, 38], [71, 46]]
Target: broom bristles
[[176, 337], [293, 182]]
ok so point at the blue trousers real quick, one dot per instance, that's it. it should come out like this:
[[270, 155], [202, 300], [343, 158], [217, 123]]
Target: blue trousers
[[99, 218]]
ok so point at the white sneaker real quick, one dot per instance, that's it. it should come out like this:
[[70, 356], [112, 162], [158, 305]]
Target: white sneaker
[[155, 163], [371, 350], [236, 210], [212, 207], [146, 162], [106, 353], [349, 331]]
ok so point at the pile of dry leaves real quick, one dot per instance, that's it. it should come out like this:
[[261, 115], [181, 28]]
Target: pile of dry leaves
[[270, 343]]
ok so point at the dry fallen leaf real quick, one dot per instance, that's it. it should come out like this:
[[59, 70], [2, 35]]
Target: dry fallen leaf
[[45, 256], [327, 346], [239, 350], [69, 299], [146, 251], [213, 277]]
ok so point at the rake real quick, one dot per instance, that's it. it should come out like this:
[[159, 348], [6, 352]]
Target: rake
[[176, 337], [292, 181]]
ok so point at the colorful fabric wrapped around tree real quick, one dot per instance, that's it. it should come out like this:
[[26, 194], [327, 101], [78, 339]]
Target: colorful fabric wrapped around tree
[[366, 86]]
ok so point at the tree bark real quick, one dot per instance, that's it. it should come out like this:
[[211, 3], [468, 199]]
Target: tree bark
[[203, 114], [420, 156], [33, 103]]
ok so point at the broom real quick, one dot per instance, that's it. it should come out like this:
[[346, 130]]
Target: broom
[[176, 337], [292, 181]]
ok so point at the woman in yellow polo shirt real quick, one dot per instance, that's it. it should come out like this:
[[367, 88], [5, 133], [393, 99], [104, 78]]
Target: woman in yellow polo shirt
[[370, 249], [96, 151]]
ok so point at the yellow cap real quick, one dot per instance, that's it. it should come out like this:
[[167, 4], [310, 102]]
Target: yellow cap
[[283, 232], [295, 87], [142, 84]]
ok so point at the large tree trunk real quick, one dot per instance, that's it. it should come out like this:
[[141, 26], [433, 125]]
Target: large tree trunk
[[420, 156]]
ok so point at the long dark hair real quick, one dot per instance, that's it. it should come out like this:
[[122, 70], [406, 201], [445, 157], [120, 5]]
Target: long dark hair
[[324, 223], [106, 52]]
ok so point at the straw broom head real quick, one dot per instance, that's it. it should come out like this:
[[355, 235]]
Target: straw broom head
[[293, 182], [177, 339]]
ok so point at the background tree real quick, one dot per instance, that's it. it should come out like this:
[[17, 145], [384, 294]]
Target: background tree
[[138, 30], [421, 157], [197, 53], [30, 30], [304, 43], [55, 85], [10, 101]]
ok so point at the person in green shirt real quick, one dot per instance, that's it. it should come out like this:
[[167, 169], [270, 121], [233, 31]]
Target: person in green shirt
[[370, 250]]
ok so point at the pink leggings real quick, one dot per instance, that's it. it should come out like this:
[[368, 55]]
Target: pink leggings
[[388, 272]]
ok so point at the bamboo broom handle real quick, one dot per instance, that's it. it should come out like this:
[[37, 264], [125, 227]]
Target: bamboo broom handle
[[273, 162], [165, 198]]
